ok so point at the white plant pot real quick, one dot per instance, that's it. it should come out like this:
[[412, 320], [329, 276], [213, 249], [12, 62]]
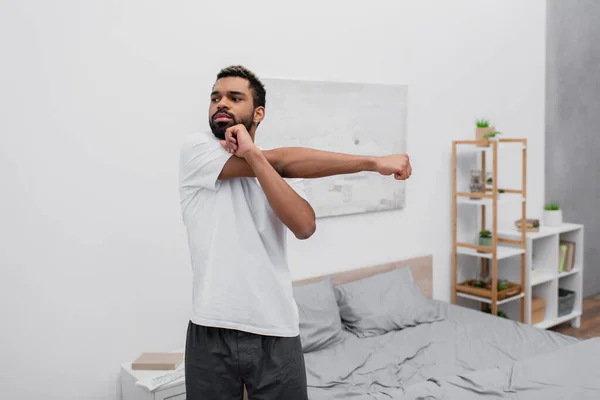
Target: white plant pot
[[553, 218]]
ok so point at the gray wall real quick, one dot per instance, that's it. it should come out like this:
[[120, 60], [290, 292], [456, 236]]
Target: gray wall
[[573, 121]]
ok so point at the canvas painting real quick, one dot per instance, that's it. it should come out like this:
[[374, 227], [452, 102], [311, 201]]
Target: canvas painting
[[352, 118]]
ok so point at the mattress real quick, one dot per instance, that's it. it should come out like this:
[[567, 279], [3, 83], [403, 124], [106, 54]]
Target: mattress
[[468, 355]]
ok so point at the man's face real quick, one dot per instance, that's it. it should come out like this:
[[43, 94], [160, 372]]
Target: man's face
[[231, 103]]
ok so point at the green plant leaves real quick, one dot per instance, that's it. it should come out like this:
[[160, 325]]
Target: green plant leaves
[[482, 123]]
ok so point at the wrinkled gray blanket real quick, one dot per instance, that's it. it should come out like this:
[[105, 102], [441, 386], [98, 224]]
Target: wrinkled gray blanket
[[469, 355]]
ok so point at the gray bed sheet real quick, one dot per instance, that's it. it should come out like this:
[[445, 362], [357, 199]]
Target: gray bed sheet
[[469, 355]]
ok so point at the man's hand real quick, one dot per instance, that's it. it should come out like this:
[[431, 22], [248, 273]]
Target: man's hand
[[397, 164], [238, 141]]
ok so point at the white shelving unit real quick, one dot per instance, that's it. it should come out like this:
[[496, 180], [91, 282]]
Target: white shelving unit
[[542, 276]]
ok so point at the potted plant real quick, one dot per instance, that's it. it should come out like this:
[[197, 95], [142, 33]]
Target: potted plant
[[500, 193], [503, 285], [553, 214], [485, 239], [492, 135], [483, 129]]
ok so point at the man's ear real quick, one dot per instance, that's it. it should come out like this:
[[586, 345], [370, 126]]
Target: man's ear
[[259, 115]]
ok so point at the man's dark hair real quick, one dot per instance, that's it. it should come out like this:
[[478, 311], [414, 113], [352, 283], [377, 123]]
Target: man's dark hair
[[256, 87]]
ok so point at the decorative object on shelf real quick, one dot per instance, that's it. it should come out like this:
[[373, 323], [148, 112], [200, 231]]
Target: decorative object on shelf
[[485, 239], [506, 289], [483, 129], [553, 215], [480, 281], [532, 225], [538, 310], [476, 185], [566, 301], [500, 194]]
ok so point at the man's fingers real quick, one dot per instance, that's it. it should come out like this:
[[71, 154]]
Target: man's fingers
[[224, 144]]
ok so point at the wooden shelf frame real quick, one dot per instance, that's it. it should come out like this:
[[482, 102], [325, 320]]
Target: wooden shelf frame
[[490, 193]]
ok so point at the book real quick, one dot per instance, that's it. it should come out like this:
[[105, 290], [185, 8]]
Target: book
[[157, 361], [562, 256], [570, 256]]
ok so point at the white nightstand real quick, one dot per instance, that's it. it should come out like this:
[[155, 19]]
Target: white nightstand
[[130, 391], [172, 391]]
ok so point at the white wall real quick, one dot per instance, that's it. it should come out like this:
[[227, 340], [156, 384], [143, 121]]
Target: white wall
[[96, 96]]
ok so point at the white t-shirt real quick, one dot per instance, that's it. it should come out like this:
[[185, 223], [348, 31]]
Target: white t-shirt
[[237, 246]]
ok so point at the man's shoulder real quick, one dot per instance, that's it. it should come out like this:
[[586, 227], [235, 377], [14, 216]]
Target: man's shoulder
[[199, 137], [198, 142]]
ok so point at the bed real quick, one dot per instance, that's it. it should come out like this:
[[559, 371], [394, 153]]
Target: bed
[[376, 333]]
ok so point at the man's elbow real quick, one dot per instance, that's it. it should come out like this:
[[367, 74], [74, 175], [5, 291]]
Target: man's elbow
[[307, 230]]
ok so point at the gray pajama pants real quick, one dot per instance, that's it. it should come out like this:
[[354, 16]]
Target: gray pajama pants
[[219, 362]]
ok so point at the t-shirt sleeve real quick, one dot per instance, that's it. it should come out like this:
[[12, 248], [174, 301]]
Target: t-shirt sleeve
[[201, 161]]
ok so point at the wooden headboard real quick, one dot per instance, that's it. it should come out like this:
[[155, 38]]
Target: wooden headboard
[[421, 268]]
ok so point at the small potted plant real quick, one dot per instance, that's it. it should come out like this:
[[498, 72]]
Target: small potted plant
[[500, 194], [492, 135], [485, 239], [503, 285], [553, 214], [483, 129]]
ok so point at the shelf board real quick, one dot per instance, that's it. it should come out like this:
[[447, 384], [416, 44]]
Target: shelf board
[[489, 301], [503, 252], [472, 148], [549, 323], [569, 273], [488, 202], [544, 231], [540, 276]]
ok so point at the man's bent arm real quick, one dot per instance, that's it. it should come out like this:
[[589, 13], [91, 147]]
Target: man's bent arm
[[295, 212]]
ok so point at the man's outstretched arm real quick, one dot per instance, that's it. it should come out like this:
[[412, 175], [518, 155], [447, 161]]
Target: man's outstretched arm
[[299, 162]]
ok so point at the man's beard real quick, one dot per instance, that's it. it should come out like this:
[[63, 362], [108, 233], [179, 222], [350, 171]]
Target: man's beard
[[218, 128]]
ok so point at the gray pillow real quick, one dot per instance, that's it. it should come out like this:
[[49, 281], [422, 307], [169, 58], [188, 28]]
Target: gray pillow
[[385, 302], [320, 322]]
